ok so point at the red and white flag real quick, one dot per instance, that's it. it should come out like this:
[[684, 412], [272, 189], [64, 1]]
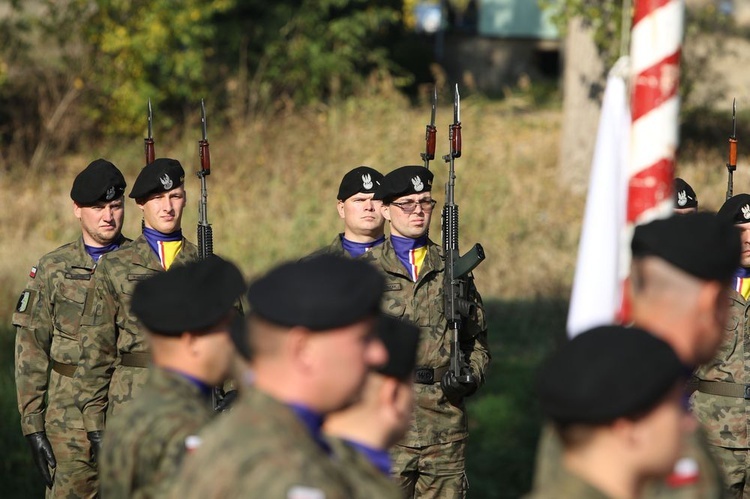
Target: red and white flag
[[617, 203]]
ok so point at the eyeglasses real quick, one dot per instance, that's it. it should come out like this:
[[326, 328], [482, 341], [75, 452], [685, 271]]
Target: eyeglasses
[[408, 207]]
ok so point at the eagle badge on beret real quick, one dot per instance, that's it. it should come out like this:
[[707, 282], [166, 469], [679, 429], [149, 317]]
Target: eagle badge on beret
[[166, 182], [681, 198], [418, 185], [110, 193], [746, 211], [367, 181]]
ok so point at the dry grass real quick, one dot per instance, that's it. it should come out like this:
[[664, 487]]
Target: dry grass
[[273, 186]]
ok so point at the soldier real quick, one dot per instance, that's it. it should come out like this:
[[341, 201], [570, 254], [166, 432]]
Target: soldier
[[312, 338], [721, 399], [363, 222], [114, 350], [187, 312], [47, 318], [679, 273], [614, 395], [430, 460], [685, 200], [362, 434]]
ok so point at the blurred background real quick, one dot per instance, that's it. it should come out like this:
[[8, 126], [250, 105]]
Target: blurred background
[[297, 93]]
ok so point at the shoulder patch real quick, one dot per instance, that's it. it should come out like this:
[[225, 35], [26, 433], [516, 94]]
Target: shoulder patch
[[23, 302], [32, 273], [393, 286], [302, 492]]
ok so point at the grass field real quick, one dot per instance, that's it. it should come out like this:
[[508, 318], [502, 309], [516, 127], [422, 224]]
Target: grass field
[[272, 197]]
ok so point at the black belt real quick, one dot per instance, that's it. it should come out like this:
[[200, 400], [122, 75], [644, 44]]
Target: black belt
[[66, 370], [135, 359], [723, 389], [428, 375]]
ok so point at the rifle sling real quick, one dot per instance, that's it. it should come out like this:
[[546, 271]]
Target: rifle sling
[[723, 388], [428, 375], [66, 370]]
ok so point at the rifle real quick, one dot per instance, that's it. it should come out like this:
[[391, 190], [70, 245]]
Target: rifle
[[457, 268], [732, 163], [430, 134], [205, 233], [149, 141]]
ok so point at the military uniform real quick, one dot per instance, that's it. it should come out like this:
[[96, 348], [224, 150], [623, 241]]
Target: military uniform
[[704, 480], [145, 442], [260, 449], [114, 348], [47, 320], [335, 248], [436, 421], [566, 486], [366, 479], [723, 414]]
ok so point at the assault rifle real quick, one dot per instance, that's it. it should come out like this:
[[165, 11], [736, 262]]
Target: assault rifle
[[457, 268], [430, 134], [732, 163], [149, 141], [205, 233]]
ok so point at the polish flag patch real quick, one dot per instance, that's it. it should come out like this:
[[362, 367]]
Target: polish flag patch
[[32, 273]]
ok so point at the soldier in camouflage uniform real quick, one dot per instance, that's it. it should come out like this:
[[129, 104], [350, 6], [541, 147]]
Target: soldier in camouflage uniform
[[678, 290], [363, 222], [312, 339], [614, 395], [188, 311], [721, 400], [430, 460], [47, 318], [362, 434], [114, 350]]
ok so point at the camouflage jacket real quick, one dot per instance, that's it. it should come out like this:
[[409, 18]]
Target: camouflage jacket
[[109, 329], [435, 419], [367, 481], [145, 442], [708, 484], [259, 449], [725, 419], [566, 486], [47, 319], [335, 248]]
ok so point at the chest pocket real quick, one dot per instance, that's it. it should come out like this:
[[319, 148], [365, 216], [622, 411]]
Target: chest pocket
[[395, 299], [69, 301], [731, 331]]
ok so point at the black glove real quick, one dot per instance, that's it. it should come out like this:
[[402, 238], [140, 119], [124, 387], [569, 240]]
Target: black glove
[[225, 403], [95, 439], [44, 458], [454, 390]]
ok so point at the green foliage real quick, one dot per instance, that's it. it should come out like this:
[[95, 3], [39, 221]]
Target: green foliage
[[147, 49]]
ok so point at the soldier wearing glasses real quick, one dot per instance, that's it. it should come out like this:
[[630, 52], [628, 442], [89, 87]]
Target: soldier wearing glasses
[[430, 460]]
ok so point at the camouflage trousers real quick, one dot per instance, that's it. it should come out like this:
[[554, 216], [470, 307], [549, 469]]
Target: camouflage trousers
[[734, 463], [434, 471], [75, 476]]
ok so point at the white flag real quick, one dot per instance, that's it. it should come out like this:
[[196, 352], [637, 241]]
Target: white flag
[[597, 286]]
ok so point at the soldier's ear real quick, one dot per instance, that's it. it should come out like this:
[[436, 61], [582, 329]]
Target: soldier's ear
[[385, 210], [340, 208]]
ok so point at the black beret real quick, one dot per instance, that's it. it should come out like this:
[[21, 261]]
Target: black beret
[[100, 181], [361, 179], [404, 181], [736, 209], [164, 174], [607, 373], [684, 195], [191, 297], [401, 339], [238, 333], [319, 293], [703, 245]]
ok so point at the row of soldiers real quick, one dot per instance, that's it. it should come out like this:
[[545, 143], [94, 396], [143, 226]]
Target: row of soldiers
[[342, 356], [659, 408]]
